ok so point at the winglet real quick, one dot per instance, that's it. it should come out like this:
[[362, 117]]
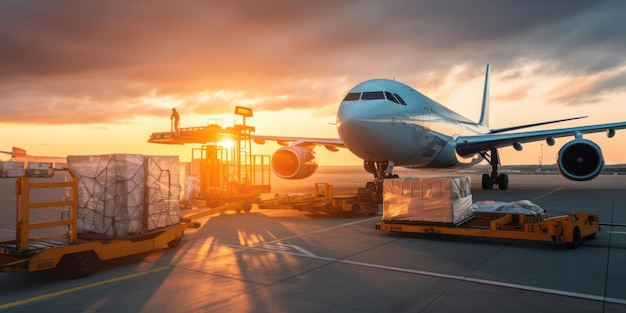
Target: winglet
[[484, 115]]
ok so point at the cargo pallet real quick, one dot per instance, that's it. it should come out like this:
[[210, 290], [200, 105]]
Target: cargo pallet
[[570, 229], [76, 254], [324, 200]]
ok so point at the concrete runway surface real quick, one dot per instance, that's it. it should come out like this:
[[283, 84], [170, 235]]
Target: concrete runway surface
[[291, 261]]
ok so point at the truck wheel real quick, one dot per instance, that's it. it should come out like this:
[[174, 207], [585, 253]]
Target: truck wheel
[[590, 237], [247, 207], [577, 239], [80, 264], [356, 209], [174, 243]]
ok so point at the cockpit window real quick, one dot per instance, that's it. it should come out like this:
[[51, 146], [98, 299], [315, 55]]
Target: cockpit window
[[399, 99], [374, 95], [371, 95], [352, 96], [391, 97]]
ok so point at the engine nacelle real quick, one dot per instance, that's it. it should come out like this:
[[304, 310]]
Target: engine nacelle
[[294, 162], [580, 160]]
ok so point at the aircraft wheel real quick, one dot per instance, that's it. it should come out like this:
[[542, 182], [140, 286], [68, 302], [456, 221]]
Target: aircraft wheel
[[503, 181], [487, 183], [577, 239], [369, 167]]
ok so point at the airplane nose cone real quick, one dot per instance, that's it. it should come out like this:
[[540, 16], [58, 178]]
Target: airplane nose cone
[[362, 139]]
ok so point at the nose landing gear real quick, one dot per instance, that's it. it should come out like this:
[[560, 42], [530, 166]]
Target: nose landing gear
[[381, 170]]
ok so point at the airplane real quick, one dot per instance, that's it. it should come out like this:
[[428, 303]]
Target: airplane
[[387, 123], [19, 154]]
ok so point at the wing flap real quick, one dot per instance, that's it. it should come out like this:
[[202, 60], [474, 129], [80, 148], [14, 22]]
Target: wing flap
[[507, 129]]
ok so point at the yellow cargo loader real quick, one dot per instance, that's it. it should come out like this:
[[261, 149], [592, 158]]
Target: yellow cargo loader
[[570, 229], [77, 255]]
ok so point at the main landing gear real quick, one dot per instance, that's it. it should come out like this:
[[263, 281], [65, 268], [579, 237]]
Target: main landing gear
[[488, 181]]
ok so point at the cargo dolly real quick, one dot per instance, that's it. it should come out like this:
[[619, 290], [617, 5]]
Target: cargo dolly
[[325, 200], [76, 254], [570, 229]]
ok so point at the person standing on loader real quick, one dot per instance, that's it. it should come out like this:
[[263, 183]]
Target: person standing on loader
[[175, 118]]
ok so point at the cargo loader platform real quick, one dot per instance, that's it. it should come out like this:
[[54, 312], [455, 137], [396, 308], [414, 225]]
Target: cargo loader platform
[[443, 205], [77, 255], [570, 229], [227, 171]]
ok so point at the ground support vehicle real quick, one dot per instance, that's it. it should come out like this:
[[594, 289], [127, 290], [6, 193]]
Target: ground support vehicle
[[324, 200], [570, 229], [76, 254], [228, 174]]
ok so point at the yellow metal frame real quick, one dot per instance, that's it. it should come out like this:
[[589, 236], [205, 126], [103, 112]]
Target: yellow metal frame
[[23, 205], [509, 226]]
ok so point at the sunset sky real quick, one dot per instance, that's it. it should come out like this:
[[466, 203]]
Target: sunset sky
[[96, 77]]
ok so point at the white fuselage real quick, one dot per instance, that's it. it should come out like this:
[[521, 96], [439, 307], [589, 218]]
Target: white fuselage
[[385, 120]]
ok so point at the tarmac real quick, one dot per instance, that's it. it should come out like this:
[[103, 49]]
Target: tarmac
[[292, 261]]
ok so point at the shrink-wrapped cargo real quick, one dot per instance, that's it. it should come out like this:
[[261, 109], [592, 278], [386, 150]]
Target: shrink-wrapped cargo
[[126, 194], [427, 199], [39, 169], [163, 191], [12, 169], [520, 206], [11, 165]]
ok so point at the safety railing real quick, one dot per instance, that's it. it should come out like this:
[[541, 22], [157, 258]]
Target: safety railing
[[24, 205]]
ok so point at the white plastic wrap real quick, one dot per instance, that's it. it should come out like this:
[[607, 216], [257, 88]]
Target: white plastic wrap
[[126, 194], [39, 165], [12, 169], [432, 199], [11, 165], [521, 206], [163, 183]]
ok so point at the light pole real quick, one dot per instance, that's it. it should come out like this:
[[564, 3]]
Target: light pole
[[541, 158]]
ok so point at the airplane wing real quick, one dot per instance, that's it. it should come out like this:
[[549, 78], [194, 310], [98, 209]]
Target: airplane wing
[[15, 152], [466, 145], [332, 144]]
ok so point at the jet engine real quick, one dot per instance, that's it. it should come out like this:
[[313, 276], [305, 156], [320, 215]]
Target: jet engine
[[294, 162], [580, 160]]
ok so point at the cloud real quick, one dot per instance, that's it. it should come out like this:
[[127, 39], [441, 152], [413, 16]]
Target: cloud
[[104, 59], [589, 90]]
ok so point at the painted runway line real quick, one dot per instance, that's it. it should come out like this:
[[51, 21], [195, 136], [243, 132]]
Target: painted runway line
[[78, 288]]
